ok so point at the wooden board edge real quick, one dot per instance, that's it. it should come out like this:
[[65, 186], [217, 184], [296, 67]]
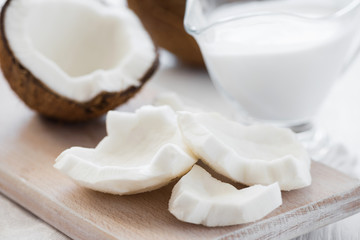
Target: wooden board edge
[[322, 213], [31, 199]]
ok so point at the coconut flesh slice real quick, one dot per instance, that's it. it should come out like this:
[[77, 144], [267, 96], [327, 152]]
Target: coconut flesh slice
[[201, 199], [143, 151], [74, 59], [258, 154]]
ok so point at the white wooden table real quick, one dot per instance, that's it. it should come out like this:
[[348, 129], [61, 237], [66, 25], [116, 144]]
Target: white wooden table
[[340, 117]]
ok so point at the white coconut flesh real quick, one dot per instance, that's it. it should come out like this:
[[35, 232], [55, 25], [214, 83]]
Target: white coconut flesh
[[258, 154], [201, 199], [143, 151], [79, 48]]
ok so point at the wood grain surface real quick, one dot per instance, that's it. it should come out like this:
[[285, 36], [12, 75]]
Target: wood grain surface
[[29, 145]]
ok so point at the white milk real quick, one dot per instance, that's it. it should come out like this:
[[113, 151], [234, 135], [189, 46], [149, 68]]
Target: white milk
[[277, 67]]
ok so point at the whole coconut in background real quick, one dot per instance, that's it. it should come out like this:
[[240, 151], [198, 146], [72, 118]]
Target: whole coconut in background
[[163, 19]]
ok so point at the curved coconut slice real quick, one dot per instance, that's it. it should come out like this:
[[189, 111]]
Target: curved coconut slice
[[201, 199], [258, 154], [74, 59], [143, 151]]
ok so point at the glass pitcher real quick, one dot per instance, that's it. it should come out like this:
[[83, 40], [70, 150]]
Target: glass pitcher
[[276, 60]]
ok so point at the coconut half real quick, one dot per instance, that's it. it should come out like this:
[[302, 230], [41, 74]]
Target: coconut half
[[143, 151], [201, 199], [74, 59], [258, 154]]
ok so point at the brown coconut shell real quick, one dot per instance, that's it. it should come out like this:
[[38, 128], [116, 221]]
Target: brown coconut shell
[[48, 103], [163, 19]]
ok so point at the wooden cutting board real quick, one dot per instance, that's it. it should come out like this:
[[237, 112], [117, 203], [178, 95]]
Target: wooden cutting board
[[29, 145]]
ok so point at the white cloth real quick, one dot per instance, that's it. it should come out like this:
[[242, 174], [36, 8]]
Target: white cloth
[[16, 223]]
